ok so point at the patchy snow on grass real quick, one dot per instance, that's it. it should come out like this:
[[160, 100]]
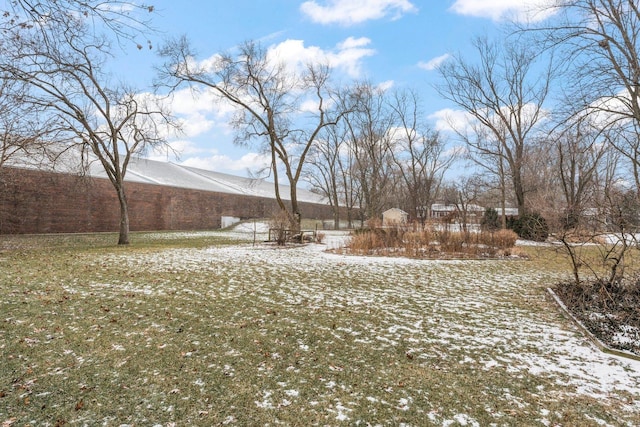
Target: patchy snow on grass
[[413, 310], [251, 227], [628, 335], [346, 338]]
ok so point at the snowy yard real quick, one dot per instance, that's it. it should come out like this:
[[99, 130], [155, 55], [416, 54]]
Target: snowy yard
[[237, 334]]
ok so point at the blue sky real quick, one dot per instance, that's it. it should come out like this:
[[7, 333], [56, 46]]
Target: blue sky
[[392, 42]]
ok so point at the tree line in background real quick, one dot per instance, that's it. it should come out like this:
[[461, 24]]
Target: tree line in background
[[550, 115]]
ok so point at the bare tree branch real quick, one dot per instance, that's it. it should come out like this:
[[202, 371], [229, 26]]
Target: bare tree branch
[[267, 95]]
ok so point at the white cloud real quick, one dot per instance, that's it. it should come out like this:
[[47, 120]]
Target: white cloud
[[295, 55], [449, 120], [464, 123], [309, 106], [349, 54], [500, 10], [189, 101], [201, 111], [195, 124], [353, 43], [210, 64], [604, 111], [350, 12], [346, 56], [434, 63], [386, 85]]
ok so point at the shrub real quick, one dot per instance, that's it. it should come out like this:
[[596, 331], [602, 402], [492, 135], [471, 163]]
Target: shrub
[[418, 243], [375, 238], [374, 223], [429, 242], [279, 223], [530, 226], [365, 242], [357, 231], [505, 239], [451, 241], [490, 220], [418, 238], [392, 237], [501, 239]]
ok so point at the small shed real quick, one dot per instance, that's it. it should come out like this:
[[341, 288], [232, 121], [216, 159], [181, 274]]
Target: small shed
[[508, 211], [394, 216]]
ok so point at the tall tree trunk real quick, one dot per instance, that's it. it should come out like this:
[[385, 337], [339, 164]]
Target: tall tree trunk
[[503, 193], [503, 205], [124, 217], [336, 212], [518, 189], [296, 216]]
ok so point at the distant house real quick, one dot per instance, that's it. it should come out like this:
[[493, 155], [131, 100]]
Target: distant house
[[394, 216], [453, 214], [439, 211]]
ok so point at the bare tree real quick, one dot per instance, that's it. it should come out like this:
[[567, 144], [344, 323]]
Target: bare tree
[[66, 81], [504, 95], [624, 137], [268, 97], [601, 244], [600, 44], [579, 153], [324, 169], [23, 130], [384, 149], [124, 19], [605, 217], [369, 123], [331, 166], [463, 194], [418, 153], [334, 167]]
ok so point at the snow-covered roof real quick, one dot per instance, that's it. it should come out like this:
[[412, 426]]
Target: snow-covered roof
[[442, 208], [169, 174], [394, 210], [438, 207], [507, 211]]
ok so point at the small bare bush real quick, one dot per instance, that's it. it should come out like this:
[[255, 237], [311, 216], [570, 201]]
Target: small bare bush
[[392, 237], [374, 223], [501, 239], [279, 224], [505, 239], [412, 238], [414, 242], [432, 243], [451, 241], [419, 238], [365, 242]]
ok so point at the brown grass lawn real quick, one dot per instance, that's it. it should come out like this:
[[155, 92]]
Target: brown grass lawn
[[204, 329]]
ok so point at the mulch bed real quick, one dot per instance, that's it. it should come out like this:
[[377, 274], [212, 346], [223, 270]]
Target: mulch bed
[[611, 311]]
